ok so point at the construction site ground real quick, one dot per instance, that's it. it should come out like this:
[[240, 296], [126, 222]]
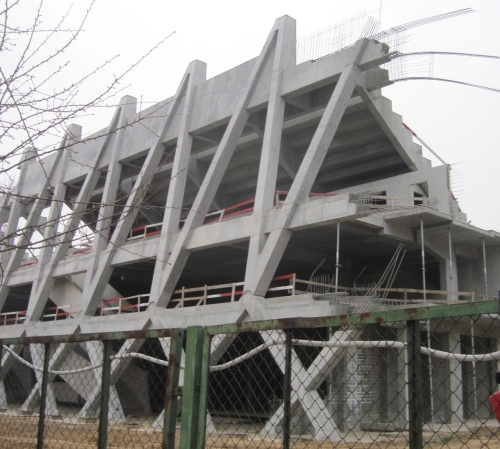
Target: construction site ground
[[20, 432]]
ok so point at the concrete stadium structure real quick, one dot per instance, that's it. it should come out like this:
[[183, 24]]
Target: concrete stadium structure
[[218, 204]]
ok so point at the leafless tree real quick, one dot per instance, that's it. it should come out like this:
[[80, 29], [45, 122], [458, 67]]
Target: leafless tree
[[38, 100]]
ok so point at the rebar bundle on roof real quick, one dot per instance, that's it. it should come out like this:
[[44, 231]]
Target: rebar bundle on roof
[[346, 32]]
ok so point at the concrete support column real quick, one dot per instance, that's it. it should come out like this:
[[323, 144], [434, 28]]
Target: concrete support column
[[56, 206], [12, 260], [3, 397], [213, 177], [127, 110], [448, 273], [269, 161], [448, 278], [16, 208], [354, 391], [276, 243], [41, 290], [118, 368], [102, 273], [37, 355], [305, 402], [6, 364], [128, 106], [456, 386], [91, 408], [177, 185]]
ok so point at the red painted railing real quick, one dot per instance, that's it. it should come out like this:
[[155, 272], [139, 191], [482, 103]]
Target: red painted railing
[[8, 318]]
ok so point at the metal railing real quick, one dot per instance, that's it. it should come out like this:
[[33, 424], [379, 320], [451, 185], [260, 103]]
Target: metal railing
[[29, 262], [17, 317], [129, 304], [231, 292], [63, 312]]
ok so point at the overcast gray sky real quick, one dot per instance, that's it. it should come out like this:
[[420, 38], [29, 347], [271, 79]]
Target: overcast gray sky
[[460, 123]]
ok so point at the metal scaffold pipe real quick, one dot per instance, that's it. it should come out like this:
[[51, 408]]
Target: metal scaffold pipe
[[428, 323], [485, 272], [450, 262], [337, 253]]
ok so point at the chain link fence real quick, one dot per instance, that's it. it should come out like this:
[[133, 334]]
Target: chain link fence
[[357, 386], [410, 378], [70, 378]]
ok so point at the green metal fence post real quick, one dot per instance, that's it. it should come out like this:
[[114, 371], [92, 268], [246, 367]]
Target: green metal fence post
[[172, 389], [205, 371], [194, 398], [1, 357], [102, 437], [5, 398], [287, 390], [415, 385], [43, 397]]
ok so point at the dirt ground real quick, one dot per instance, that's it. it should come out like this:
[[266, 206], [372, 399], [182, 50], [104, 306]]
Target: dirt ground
[[485, 438], [20, 432]]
